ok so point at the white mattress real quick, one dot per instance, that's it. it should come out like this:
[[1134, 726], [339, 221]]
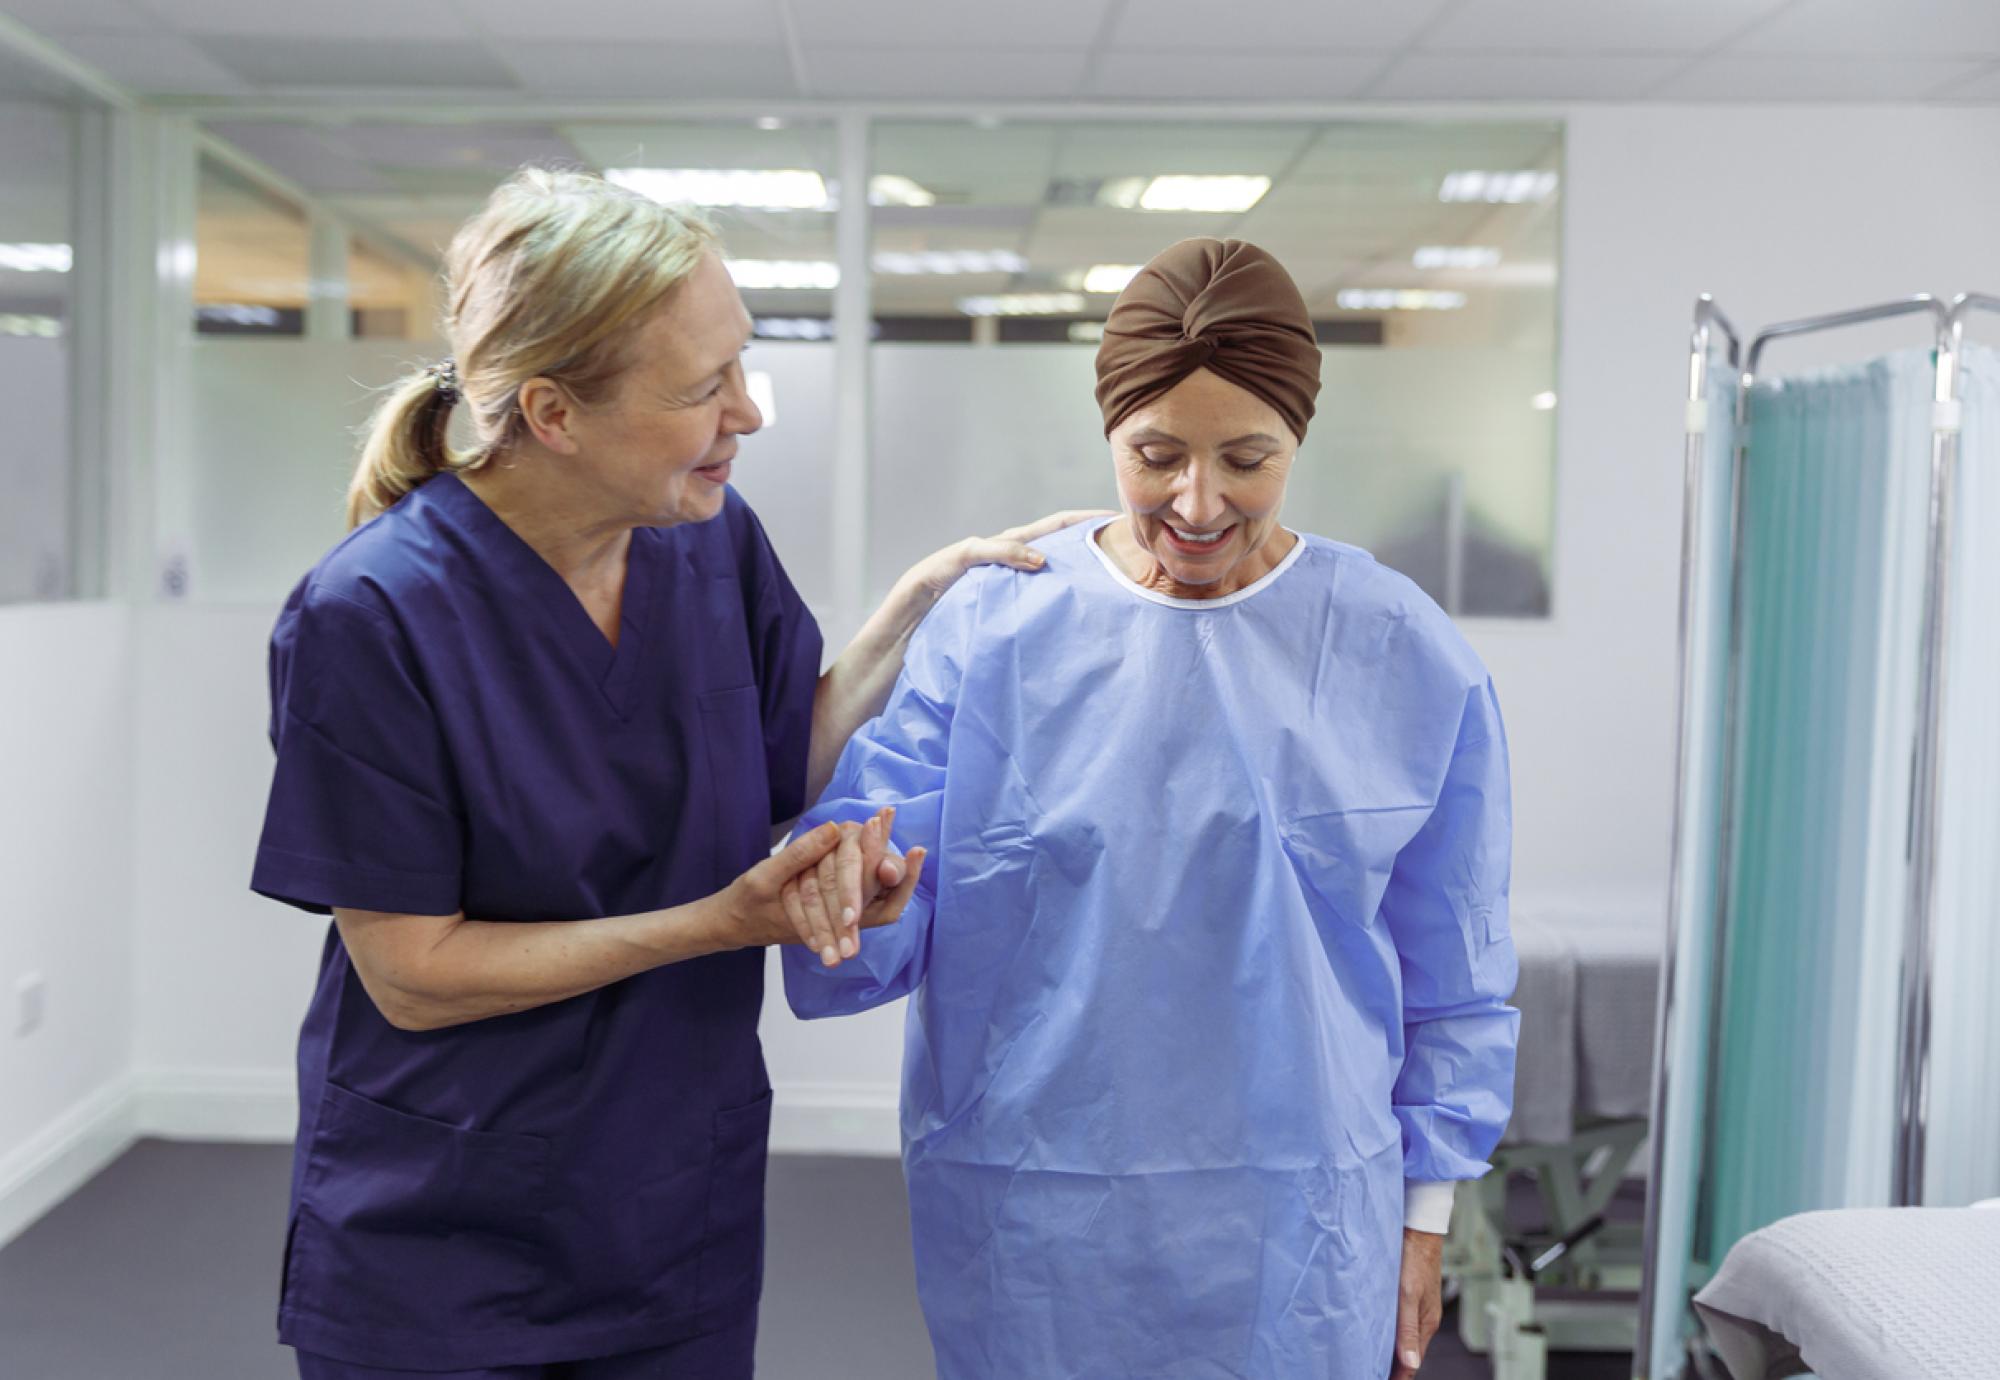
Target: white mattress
[[1861, 1294], [1587, 996]]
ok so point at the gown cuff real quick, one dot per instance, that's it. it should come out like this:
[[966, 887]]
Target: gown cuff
[[1427, 1206]]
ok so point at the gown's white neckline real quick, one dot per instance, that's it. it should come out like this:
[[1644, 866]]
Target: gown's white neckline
[[1154, 596]]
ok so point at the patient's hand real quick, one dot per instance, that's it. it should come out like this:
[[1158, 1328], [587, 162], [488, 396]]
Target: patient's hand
[[1419, 1300], [831, 904]]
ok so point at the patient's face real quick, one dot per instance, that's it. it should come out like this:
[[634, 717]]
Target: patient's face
[[1201, 475]]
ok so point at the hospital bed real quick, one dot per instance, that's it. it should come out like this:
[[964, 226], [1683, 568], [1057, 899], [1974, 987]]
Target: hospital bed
[[1582, 1089], [1861, 1294]]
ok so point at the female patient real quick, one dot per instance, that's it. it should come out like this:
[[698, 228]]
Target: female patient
[[1210, 955]]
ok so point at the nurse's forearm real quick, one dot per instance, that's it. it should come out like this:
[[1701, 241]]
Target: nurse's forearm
[[427, 972], [857, 685]]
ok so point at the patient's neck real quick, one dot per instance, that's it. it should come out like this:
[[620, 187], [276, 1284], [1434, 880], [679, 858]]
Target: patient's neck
[[1145, 569]]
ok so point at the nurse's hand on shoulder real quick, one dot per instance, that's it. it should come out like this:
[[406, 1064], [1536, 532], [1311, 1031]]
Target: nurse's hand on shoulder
[[940, 570]]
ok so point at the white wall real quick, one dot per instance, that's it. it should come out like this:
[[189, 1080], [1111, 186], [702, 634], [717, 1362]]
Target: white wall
[[1779, 212], [66, 832]]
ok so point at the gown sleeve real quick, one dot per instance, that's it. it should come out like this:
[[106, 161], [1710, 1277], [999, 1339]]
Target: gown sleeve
[[898, 758], [1446, 909], [785, 646], [363, 811]]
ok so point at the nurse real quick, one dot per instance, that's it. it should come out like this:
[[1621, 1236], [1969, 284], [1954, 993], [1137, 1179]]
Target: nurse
[[1210, 962], [537, 719]]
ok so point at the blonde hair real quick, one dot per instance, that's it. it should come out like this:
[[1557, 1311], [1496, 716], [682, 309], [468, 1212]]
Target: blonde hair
[[549, 281]]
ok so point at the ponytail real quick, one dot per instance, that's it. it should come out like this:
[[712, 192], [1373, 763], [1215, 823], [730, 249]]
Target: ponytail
[[405, 444], [550, 281]]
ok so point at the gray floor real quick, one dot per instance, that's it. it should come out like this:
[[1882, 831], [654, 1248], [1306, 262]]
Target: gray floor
[[164, 1267]]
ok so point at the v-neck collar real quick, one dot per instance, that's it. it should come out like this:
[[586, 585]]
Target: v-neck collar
[[614, 670]]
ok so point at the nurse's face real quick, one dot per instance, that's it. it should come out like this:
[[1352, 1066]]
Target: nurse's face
[[659, 450], [1201, 475]]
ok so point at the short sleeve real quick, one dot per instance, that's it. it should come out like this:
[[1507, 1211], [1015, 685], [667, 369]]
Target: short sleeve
[[363, 812], [785, 646]]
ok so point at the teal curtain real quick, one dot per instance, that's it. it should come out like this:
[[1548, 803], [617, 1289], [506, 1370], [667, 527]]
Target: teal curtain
[[1834, 499]]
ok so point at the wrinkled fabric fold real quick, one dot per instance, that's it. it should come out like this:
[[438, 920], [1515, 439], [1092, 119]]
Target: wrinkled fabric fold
[[1210, 956]]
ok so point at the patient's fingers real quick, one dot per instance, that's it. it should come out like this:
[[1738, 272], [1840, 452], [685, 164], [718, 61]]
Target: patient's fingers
[[889, 907], [848, 868], [795, 911]]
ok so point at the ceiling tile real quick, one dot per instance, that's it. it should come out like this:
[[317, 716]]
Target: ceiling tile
[[1657, 27], [302, 153], [1523, 76], [635, 21], [1984, 87], [82, 16], [704, 144], [361, 63], [967, 73], [154, 64], [963, 24], [1234, 76], [1872, 28], [491, 147], [1754, 79], [393, 20], [1260, 26], [651, 71]]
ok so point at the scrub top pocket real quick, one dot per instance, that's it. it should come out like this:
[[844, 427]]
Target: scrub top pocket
[[732, 1261], [415, 1205]]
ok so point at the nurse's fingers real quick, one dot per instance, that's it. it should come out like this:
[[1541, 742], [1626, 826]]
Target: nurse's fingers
[[889, 908], [802, 852], [810, 890]]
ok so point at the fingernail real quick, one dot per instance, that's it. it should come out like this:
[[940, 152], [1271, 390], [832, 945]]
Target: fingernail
[[828, 956], [1038, 558], [847, 947], [1412, 1360], [847, 915]]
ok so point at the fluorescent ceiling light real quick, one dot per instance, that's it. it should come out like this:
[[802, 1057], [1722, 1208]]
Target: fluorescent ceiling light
[[35, 258], [794, 328], [769, 122], [951, 261], [1184, 192], [48, 327], [764, 189], [1086, 332], [1543, 402], [757, 383], [1456, 256], [893, 189], [784, 275], [1398, 299], [1023, 304], [1109, 277], [1510, 188], [238, 314]]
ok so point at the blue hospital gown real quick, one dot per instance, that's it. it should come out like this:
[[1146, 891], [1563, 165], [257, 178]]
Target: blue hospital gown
[[1210, 955]]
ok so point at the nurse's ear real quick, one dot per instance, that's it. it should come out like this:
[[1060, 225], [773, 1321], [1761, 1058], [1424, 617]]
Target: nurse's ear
[[550, 415]]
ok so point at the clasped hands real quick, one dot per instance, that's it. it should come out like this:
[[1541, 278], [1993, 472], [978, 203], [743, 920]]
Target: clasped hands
[[826, 886]]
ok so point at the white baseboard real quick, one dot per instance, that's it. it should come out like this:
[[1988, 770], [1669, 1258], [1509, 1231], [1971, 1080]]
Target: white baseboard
[[261, 1106], [64, 1156], [835, 1119]]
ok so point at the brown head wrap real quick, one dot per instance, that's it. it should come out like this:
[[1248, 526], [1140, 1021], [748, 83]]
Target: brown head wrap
[[1220, 304]]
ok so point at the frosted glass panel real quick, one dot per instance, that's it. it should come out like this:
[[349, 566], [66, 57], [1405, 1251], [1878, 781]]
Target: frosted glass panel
[[36, 325], [971, 440]]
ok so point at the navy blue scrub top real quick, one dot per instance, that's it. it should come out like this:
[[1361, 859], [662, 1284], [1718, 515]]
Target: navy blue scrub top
[[453, 732]]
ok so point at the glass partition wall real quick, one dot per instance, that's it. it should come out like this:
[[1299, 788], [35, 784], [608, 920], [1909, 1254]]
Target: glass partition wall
[[993, 249]]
